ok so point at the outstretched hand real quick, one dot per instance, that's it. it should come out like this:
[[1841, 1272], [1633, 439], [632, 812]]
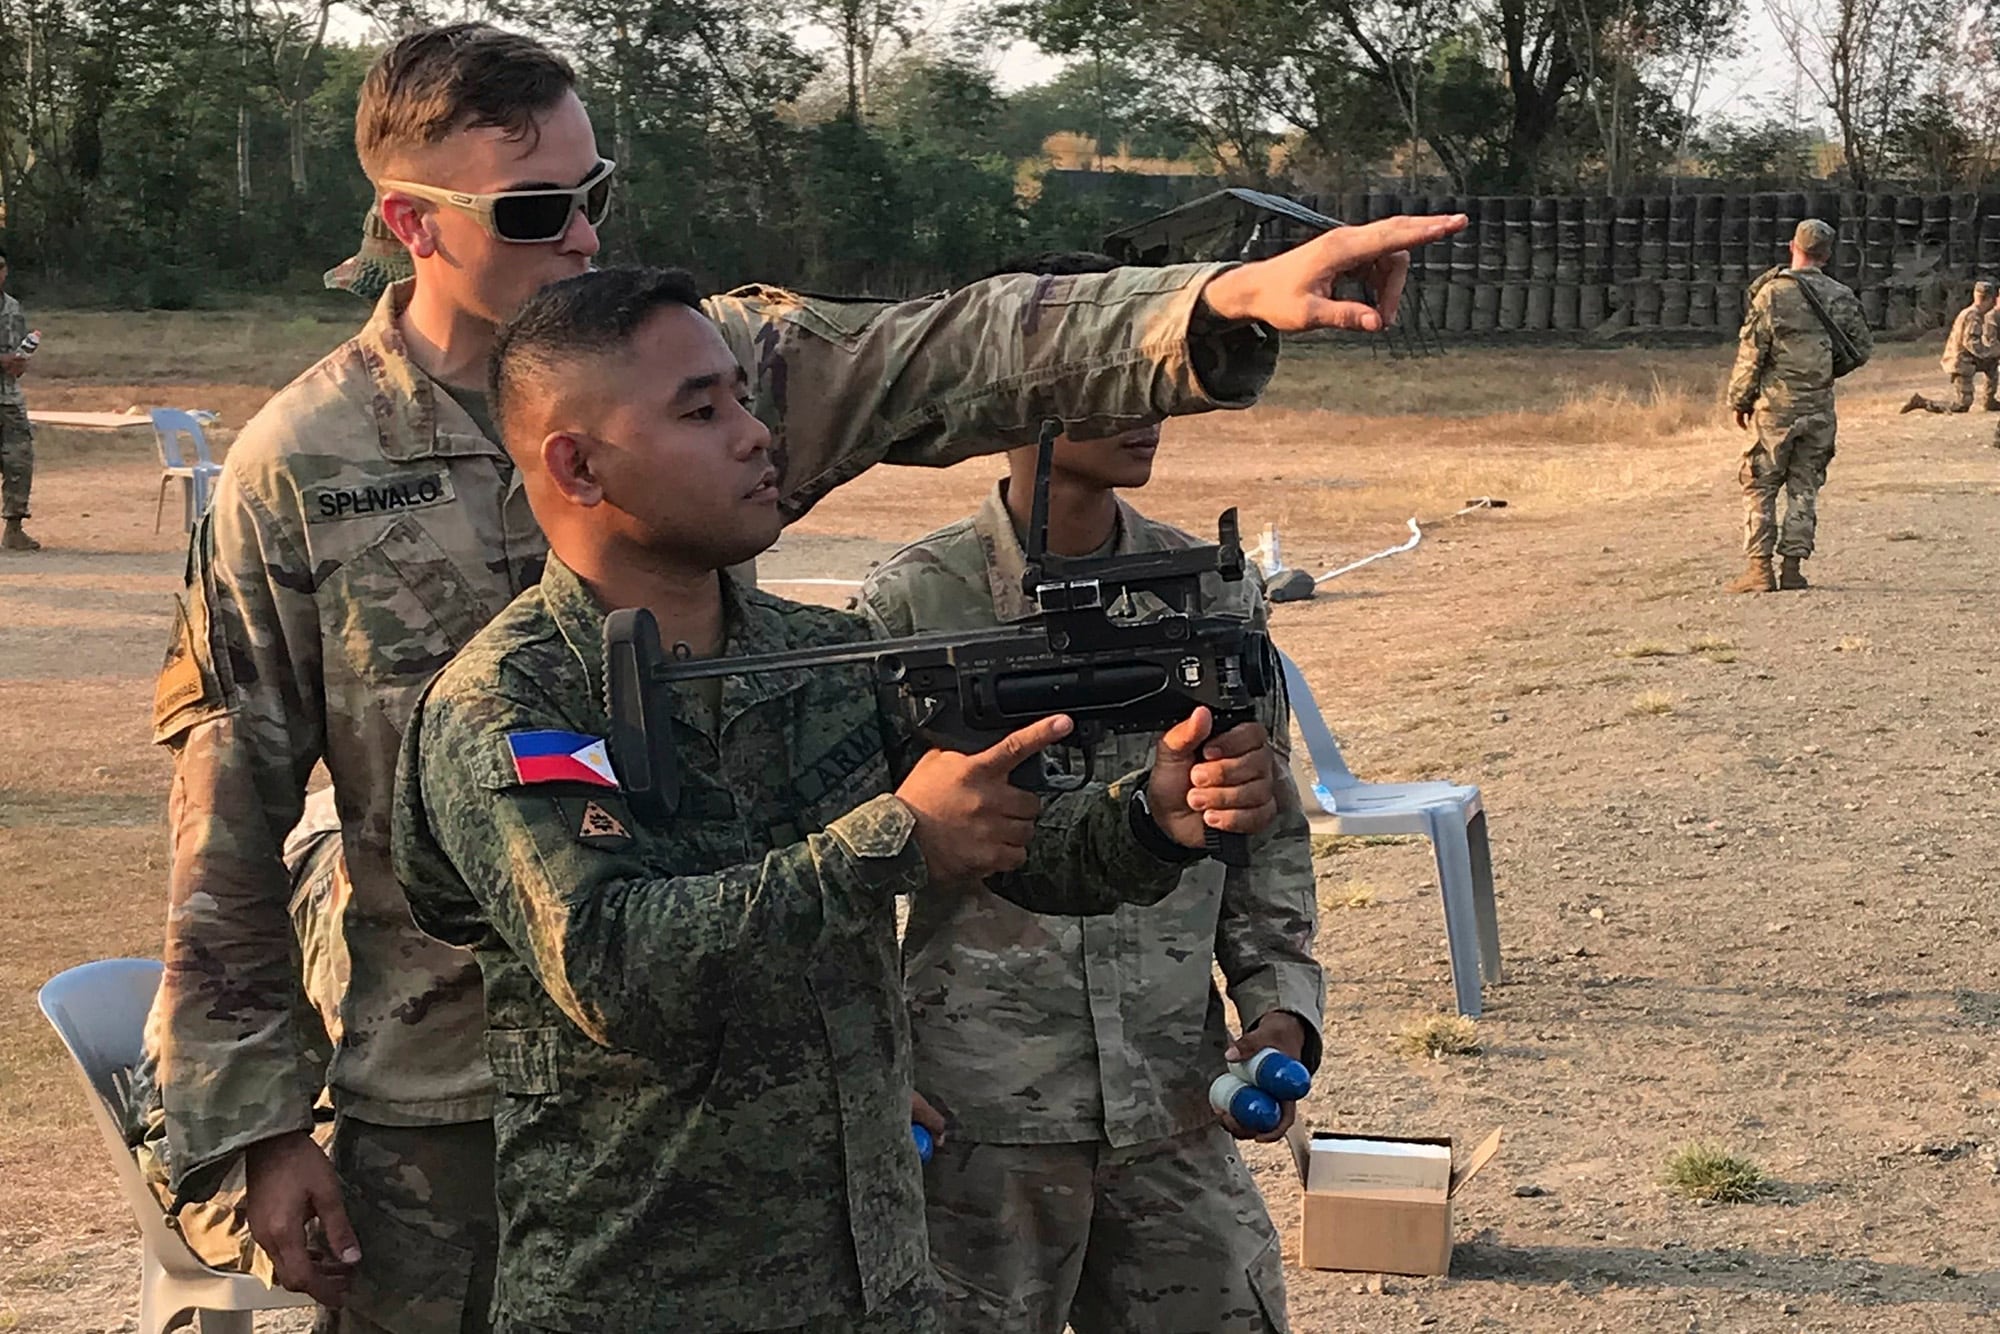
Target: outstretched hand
[[1293, 292]]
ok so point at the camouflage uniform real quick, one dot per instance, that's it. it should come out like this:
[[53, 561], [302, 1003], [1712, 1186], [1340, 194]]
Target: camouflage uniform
[[363, 529], [701, 1050], [17, 439], [1085, 1179], [1967, 354], [1784, 375], [215, 1228]]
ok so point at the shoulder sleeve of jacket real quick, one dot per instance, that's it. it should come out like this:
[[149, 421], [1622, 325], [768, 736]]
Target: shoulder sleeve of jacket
[[1753, 348], [847, 385], [240, 701], [635, 958]]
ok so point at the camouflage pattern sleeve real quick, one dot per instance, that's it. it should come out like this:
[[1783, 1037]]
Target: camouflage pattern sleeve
[[1085, 859], [1753, 352], [938, 380], [635, 958], [1847, 313], [1270, 908], [242, 1051]]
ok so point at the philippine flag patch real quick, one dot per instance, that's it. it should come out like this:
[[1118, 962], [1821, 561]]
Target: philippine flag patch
[[561, 757]]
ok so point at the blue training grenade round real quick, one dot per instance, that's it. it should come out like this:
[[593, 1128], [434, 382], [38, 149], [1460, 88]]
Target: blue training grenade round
[[1275, 1073], [926, 1146], [1252, 1108]]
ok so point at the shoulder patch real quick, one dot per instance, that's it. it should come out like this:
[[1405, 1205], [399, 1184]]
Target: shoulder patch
[[560, 757], [602, 822], [184, 688], [386, 495]]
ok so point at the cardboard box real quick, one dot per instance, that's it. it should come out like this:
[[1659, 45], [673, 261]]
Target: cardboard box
[[1381, 1204]]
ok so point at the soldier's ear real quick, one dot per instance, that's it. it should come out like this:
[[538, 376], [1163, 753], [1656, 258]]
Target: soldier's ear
[[410, 223], [567, 458]]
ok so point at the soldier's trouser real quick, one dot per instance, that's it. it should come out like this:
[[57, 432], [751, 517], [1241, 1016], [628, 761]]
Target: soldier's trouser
[[911, 1309], [422, 1204], [1961, 396], [17, 461], [1990, 372], [1790, 456], [1169, 1237]]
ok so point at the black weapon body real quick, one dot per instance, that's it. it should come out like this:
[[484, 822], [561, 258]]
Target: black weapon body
[[1093, 653]]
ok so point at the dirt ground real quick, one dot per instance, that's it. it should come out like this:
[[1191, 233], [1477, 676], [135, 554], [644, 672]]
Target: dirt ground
[[1743, 845]]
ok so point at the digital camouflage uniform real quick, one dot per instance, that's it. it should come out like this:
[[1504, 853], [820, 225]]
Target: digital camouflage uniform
[[1784, 376], [700, 1046], [1084, 1178], [17, 440], [362, 530], [1968, 354]]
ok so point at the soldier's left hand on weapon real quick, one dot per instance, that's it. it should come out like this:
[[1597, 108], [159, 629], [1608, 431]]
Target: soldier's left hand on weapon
[[1293, 292], [1201, 783], [1283, 1030], [13, 365]]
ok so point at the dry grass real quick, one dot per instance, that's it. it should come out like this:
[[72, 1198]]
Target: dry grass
[[1358, 894], [1706, 1172], [1653, 702], [1855, 644], [1437, 1036], [1646, 649]]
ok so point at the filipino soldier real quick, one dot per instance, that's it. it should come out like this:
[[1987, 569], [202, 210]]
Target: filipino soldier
[[693, 1019], [17, 438], [1968, 354], [1802, 330], [367, 524], [1083, 1179]]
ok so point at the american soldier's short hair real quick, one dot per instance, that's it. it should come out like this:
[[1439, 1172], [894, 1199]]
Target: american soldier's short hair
[[433, 83], [1059, 263]]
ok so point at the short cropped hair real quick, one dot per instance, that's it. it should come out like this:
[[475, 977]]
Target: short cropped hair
[[436, 82], [1058, 263], [589, 315]]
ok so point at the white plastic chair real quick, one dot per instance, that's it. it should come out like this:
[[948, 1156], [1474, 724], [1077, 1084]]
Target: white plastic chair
[[1450, 815], [99, 1012], [169, 425]]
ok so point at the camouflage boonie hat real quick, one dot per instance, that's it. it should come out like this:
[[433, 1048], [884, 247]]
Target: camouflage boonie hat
[[380, 261], [1814, 237]]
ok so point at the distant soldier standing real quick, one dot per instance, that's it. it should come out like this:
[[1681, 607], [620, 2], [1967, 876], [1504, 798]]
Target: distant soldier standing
[[1969, 352], [17, 440], [1803, 331]]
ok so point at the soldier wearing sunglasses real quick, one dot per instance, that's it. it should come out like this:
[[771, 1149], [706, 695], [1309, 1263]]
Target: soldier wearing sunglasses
[[368, 523]]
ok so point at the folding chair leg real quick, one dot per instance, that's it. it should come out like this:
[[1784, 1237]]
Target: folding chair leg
[[160, 507], [1482, 897], [226, 1322], [1461, 922]]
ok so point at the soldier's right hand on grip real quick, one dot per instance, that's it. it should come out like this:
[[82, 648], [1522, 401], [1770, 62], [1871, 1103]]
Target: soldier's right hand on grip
[[971, 820]]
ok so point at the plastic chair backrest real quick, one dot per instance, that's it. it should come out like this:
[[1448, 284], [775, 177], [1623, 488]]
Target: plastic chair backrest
[[1328, 763], [171, 423], [99, 1011]]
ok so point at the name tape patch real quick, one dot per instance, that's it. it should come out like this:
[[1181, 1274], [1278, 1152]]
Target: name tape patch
[[389, 495]]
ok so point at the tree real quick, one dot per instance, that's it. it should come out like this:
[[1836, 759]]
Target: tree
[[1865, 59]]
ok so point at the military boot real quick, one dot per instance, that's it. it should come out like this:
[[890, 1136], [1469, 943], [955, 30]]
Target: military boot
[[1790, 576], [16, 540], [1917, 403], [1756, 578]]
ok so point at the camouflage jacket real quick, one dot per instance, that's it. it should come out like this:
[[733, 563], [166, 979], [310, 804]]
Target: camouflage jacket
[[1036, 1029], [700, 1045], [13, 328], [1784, 358], [363, 529], [1966, 345]]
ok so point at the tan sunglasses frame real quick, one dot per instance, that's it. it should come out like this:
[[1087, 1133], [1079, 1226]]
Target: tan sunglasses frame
[[481, 206]]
